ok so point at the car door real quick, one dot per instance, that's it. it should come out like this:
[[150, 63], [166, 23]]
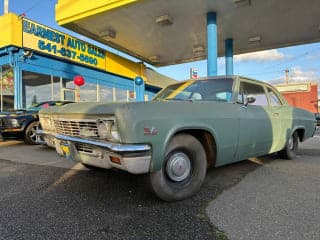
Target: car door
[[255, 128], [275, 111]]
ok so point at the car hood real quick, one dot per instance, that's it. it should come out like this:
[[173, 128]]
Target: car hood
[[151, 108], [87, 108], [17, 113]]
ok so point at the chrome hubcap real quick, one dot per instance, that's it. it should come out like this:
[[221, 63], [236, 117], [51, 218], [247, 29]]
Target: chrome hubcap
[[178, 167]]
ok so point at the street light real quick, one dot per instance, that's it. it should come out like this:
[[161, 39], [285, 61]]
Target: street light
[[6, 6]]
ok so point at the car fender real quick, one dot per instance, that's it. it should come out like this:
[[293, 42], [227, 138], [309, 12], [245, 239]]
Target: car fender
[[298, 127], [27, 122], [160, 155]]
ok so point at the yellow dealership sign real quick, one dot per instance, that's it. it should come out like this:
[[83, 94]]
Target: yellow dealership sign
[[49, 41]]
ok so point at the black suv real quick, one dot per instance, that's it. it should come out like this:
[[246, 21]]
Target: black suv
[[22, 124]]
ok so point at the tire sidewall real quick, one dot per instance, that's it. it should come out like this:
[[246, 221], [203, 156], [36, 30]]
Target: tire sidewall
[[292, 153], [288, 153], [169, 190]]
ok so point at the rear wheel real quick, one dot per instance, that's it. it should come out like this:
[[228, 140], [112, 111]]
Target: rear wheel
[[30, 133], [183, 171], [290, 150]]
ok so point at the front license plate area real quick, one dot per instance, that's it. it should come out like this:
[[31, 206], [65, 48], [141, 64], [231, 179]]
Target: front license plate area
[[65, 148]]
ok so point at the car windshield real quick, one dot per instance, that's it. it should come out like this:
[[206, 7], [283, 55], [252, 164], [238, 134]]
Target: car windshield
[[218, 89]]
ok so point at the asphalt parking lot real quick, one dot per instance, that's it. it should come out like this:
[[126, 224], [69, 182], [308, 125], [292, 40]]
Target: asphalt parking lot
[[43, 196]]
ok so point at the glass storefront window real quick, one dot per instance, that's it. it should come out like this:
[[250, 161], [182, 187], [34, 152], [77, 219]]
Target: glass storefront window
[[36, 87], [56, 86], [106, 94], [88, 92], [6, 88], [68, 90], [121, 95]]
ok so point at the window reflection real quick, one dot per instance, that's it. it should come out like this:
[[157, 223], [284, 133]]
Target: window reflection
[[106, 94], [36, 88], [88, 92], [121, 95]]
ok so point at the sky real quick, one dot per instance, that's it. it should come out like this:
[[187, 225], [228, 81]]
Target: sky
[[303, 61]]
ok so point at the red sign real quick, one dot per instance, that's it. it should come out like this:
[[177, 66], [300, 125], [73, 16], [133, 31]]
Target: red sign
[[193, 73]]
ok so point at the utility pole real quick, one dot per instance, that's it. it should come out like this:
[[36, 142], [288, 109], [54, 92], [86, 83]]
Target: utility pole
[[6, 6], [287, 76]]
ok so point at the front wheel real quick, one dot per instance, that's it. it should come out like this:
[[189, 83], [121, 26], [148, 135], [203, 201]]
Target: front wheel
[[290, 150], [30, 133], [183, 171]]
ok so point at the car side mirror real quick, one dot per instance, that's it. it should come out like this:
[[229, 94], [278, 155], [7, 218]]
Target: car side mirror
[[249, 99]]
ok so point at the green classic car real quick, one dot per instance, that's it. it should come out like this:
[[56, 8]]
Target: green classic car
[[186, 128]]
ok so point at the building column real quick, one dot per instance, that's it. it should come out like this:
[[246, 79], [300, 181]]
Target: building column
[[212, 44], [139, 88], [18, 93], [229, 56]]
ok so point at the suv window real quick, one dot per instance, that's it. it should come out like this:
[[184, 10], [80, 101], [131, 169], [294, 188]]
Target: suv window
[[254, 90], [274, 99]]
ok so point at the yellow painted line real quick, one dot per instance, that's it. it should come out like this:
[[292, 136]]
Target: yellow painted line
[[179, 89]]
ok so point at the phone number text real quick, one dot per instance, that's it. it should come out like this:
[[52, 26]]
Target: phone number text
[[64, 52]]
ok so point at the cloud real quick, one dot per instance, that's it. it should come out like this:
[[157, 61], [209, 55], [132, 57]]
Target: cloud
[[298, 75], [262, 56]]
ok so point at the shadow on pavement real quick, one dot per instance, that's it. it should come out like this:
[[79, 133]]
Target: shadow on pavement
[[104, 204]]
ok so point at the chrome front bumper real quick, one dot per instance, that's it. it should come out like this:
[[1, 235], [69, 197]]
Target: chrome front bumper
[[132, 158]]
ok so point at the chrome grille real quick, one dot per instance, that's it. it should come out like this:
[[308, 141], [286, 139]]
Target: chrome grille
[[76, 128], [84, 148]]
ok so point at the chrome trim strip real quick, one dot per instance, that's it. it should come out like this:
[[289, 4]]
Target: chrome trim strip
[[115, 147]]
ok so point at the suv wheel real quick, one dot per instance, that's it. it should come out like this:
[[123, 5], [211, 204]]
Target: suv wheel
[[30, 133]]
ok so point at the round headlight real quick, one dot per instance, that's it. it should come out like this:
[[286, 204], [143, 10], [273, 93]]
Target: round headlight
[[47, 123], [107, 130]]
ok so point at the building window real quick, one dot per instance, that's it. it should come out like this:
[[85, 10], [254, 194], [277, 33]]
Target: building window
[[36, 88], [6, 88], [88, 92], [106, 94], [121, 95], [56, 86]]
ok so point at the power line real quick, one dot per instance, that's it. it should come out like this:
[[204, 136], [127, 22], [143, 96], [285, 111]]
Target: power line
[[32, 6]]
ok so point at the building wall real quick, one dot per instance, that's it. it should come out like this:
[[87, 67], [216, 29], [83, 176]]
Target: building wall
[[35, 62], [27, 34], [307, 100], [98, 83]]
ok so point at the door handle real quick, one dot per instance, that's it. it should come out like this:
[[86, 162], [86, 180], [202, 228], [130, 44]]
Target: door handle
[[275, 114]]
